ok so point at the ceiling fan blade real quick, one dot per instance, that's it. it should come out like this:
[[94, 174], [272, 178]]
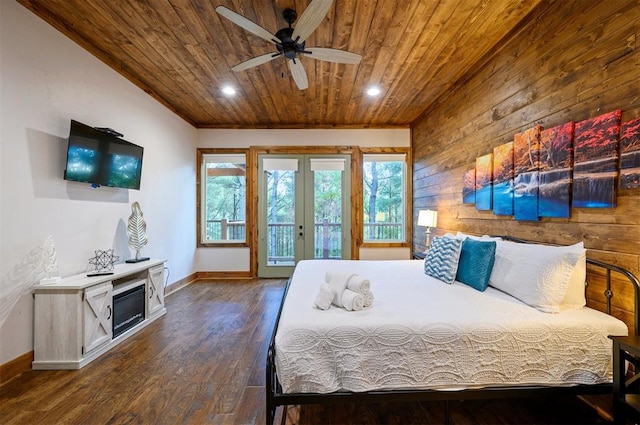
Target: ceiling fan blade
[[299, 74], [258, 60], [245, 23], [332, 55], [310, 19]]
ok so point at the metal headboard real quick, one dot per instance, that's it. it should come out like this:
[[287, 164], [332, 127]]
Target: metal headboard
[[608, 293]]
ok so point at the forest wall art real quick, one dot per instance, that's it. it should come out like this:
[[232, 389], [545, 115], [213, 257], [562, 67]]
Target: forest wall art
[[544, 172]]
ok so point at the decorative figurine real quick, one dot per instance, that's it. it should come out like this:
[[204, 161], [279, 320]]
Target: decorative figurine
[[49, 262], [103, 262], [137, 230]]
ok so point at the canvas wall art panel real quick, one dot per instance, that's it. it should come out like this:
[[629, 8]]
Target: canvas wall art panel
[[555, 171], [484, 190], [630, 154], [469, 187], [526, 161], [503, 179], [595, 168]]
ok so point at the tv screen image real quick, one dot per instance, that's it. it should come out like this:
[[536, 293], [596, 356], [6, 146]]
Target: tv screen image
[[102, 159]]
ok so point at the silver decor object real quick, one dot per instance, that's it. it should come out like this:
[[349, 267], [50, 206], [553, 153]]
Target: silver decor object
[[137, 230], [102, 263], [49, 262]]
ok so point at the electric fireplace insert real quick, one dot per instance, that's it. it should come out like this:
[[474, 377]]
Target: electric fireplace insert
[[128, 309]]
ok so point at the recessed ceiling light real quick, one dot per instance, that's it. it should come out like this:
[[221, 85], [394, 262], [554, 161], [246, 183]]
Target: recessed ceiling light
[[373, 91], [228, 90]]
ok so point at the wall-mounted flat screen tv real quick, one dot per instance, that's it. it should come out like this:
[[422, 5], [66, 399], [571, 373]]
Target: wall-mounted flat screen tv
[[102, 158]]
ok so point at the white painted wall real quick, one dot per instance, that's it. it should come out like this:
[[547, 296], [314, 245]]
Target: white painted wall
[[223, 138], [237, 259], [45, 81]]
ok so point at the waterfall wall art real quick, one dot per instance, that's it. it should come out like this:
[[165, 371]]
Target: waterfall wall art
[[543, 173], [469, 187], [526, 163], [556, 162], [484, 191], [595, 167], [503, 179], [630, 155]]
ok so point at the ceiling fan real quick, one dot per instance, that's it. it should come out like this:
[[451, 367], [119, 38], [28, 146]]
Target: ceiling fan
[[290, 41]]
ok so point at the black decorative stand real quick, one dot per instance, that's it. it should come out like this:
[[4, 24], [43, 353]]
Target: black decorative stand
[[137, 260]]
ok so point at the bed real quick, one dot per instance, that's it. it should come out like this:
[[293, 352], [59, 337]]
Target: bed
[[424, 339]]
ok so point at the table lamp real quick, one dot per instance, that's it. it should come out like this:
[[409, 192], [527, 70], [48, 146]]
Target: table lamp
[[428, 219]]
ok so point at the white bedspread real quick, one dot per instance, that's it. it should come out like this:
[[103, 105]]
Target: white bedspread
[[422, 333]]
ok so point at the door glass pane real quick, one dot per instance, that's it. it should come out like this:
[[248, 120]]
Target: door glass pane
[[280, 217], [328, 214]]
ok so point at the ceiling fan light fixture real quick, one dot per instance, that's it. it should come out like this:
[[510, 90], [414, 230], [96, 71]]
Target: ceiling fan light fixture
[[229, 90], [373, 91]]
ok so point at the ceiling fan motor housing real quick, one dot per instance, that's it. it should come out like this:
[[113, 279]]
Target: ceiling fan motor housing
[[287, 46]]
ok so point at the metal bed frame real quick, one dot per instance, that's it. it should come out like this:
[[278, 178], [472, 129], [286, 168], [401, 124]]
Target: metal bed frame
[[275, 397]]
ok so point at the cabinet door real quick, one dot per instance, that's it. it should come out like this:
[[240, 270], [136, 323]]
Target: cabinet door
[[98, 312], [155, 290]]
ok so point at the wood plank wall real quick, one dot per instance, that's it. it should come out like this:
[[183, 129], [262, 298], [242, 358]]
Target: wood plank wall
[[569, 61]]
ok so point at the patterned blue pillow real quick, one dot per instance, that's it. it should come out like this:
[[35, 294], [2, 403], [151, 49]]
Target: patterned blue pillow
[[441, 261], [476, 263]]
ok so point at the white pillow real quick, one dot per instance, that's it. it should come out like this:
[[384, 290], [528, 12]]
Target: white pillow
[[575, 296], [461, 235], [535, 274]]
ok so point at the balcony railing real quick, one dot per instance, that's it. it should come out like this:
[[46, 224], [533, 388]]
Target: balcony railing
[[225, 230], [281, 237]]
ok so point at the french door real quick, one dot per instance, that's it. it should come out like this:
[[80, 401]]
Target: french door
[[304, 210]]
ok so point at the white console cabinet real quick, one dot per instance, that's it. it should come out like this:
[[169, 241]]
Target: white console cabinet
[[73, 321], [155, 290]]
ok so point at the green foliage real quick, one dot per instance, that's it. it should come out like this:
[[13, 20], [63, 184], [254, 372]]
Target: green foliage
[[328, 196], [281, 196], [388, 196], [225, 198]]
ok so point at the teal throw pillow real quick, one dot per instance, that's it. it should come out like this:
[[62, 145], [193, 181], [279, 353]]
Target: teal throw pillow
[[476, 263]]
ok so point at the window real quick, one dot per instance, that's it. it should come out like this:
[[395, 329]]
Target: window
[[223, 198], [384, 206]]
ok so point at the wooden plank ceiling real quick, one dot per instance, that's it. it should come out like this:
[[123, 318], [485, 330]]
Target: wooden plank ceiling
[[181, 53]]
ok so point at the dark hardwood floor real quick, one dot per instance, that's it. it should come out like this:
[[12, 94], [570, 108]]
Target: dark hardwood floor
[[203, 363]]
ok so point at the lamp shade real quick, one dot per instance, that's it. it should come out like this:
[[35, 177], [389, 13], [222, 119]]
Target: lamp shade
[[427, 218]]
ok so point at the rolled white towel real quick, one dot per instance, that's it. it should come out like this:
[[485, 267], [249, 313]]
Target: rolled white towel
[[368, 299], [352, 301], [338, 282], [325, 297], [359, 284]]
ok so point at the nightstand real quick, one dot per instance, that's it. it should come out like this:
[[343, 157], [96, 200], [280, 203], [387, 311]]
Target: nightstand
[[625, 348], [419, 255]]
